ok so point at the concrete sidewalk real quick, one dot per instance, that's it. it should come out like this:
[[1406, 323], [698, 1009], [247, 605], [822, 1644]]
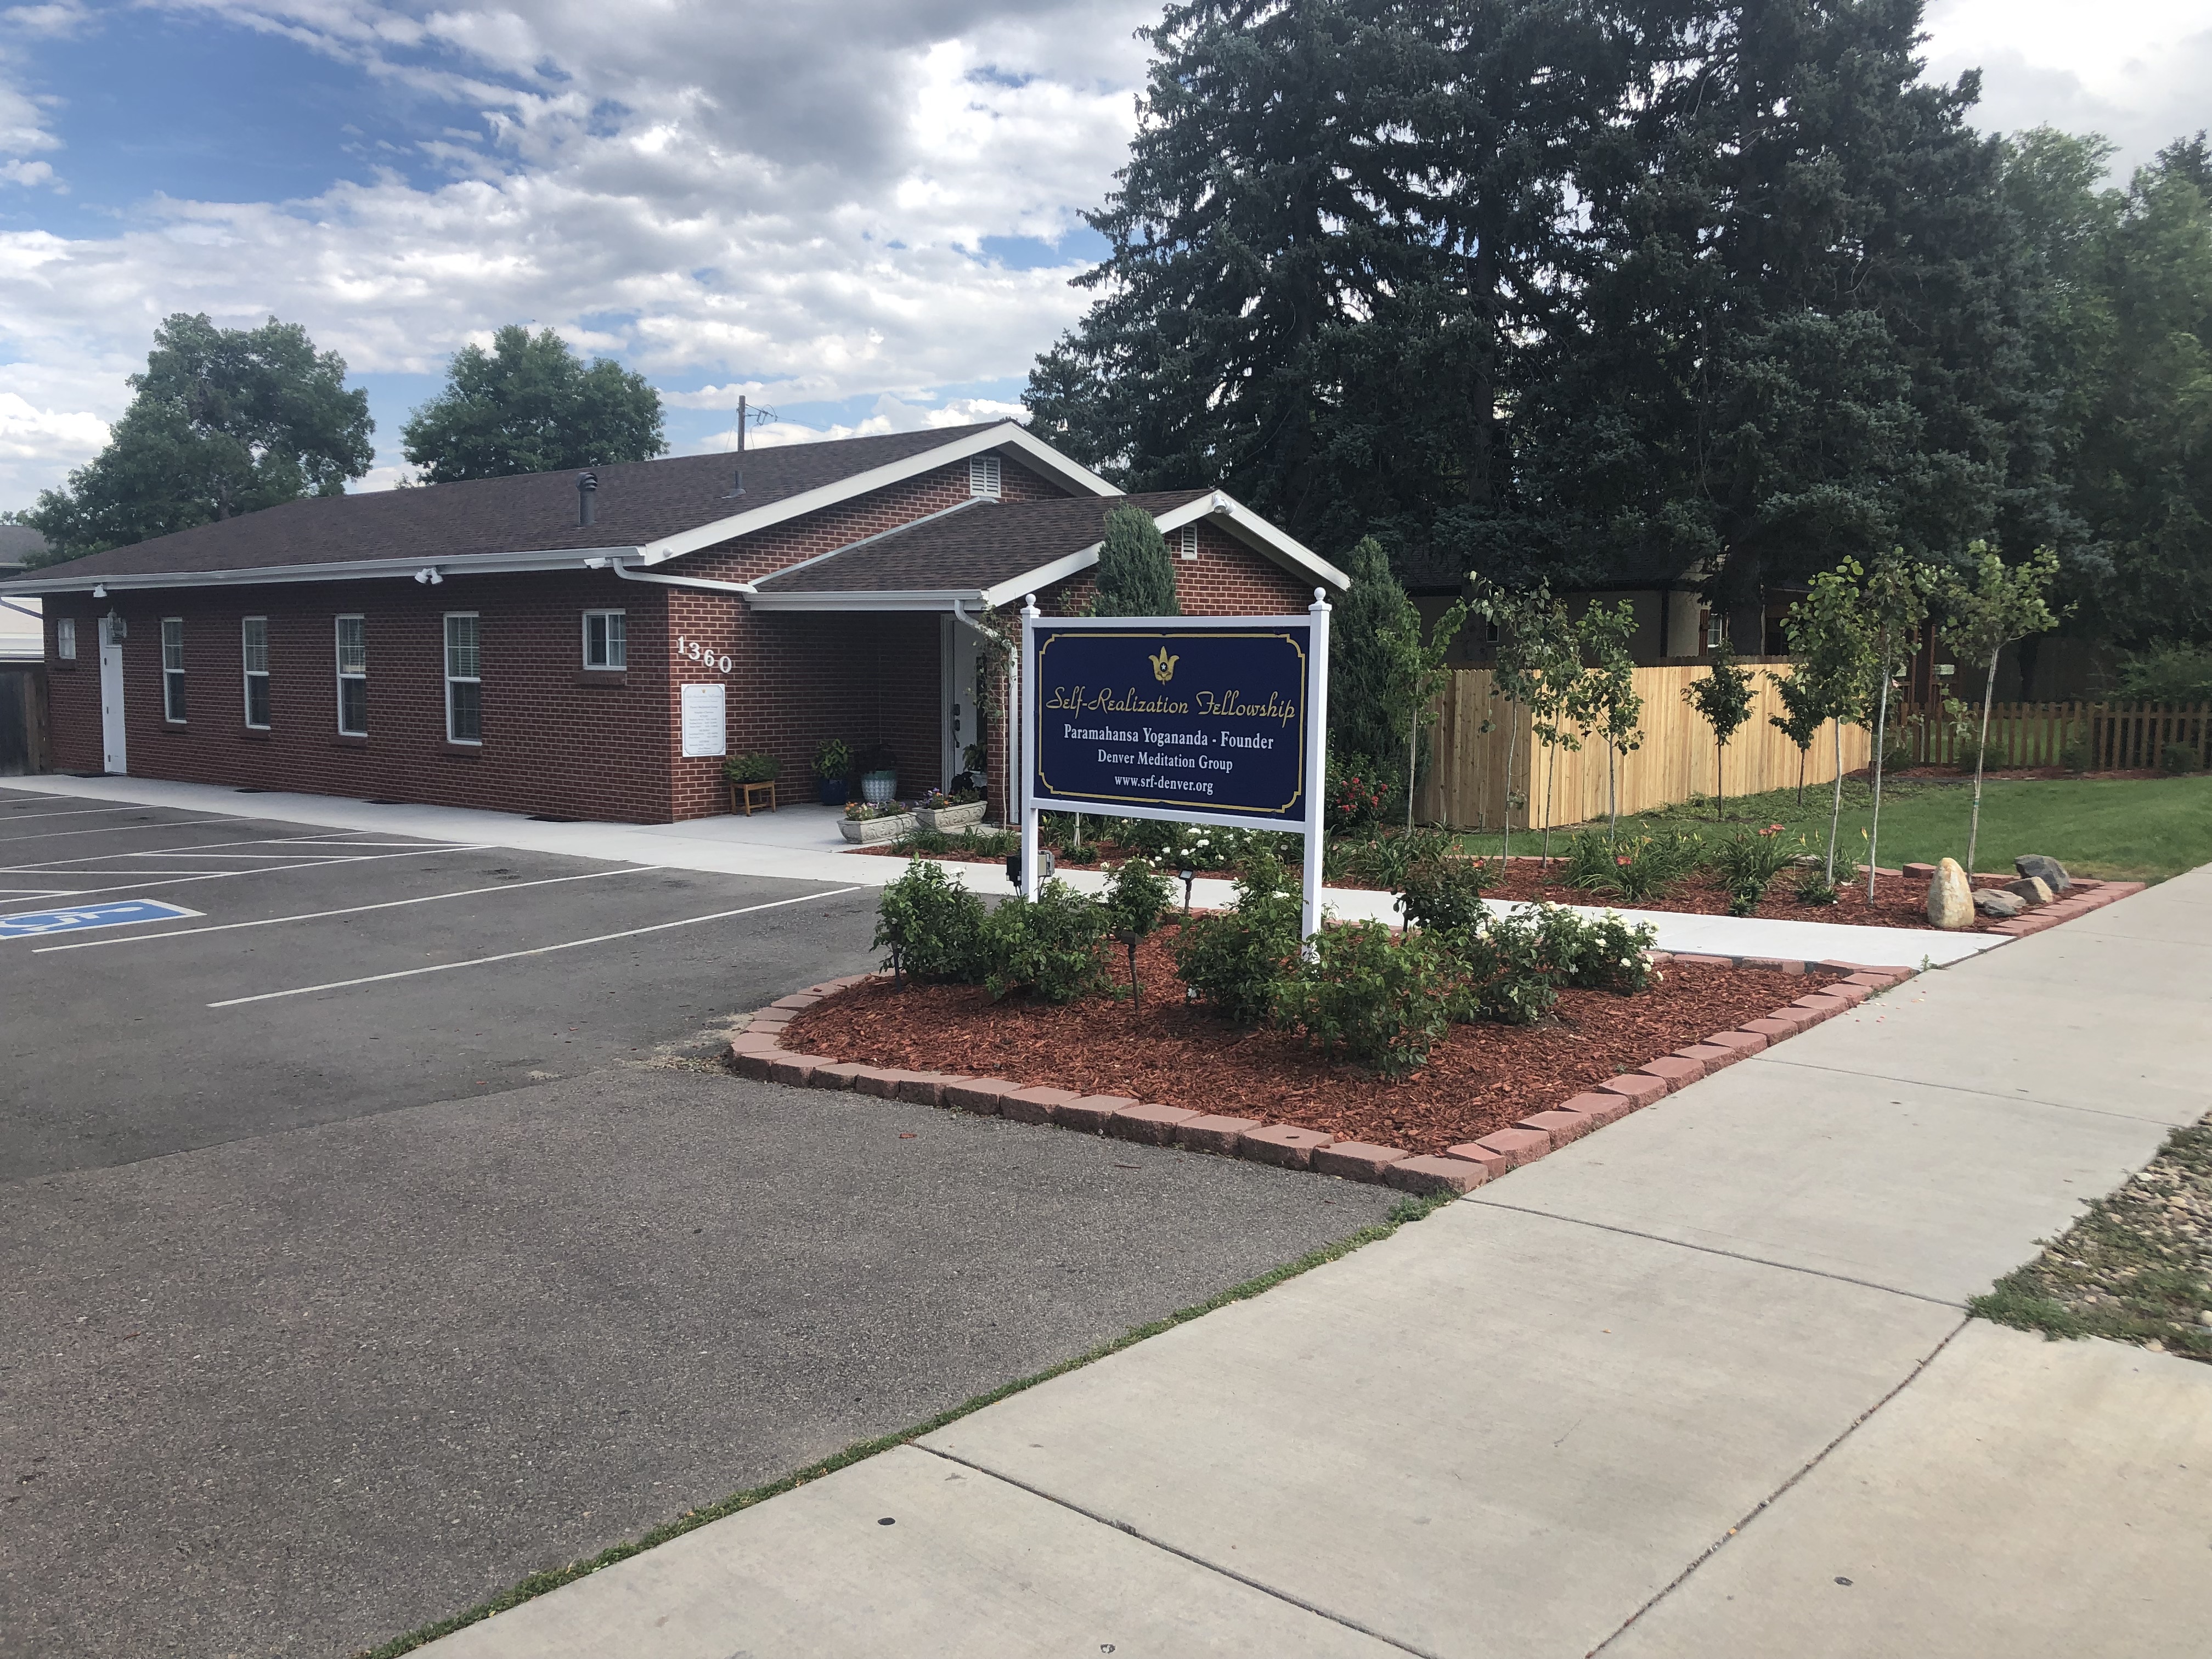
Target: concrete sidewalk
[[802, 844], [1701, 1383]]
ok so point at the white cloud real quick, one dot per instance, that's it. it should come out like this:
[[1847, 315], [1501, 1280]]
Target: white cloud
[[791, 199], [2140, 73]]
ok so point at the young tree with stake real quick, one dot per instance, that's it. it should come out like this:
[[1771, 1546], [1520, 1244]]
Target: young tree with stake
[[1606, 701], [1555, 658], [2003, 603], [1895, 599], [1723, 700], [1417, 675], [1799, 721], [1834, 649], [1513, 673]]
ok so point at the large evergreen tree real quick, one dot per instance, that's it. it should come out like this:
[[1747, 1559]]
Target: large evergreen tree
[[530, 404], [223, 420], [1136, 577], [1796, 330]]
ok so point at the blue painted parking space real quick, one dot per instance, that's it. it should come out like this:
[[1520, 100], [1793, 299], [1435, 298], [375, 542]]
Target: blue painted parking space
[[116, 912]]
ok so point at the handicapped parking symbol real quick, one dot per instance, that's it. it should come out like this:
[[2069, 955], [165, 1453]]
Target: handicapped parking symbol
[[117, 912]]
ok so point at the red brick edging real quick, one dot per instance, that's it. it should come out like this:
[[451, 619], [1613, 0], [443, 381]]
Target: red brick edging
[[758, 1052]]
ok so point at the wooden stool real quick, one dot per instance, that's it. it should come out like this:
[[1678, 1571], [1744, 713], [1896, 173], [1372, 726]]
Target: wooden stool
[[745, 796]]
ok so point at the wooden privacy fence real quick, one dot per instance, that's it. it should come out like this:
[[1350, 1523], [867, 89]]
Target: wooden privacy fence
[[1467, 787], [2088, 736]]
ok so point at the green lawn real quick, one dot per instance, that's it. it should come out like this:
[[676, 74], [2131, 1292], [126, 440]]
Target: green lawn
[[2145, 829]]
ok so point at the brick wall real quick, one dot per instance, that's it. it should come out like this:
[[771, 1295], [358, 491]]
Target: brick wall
[[555, 741]]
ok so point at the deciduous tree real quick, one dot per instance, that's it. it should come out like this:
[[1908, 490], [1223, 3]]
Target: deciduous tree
[[530, 404], [223, 420]]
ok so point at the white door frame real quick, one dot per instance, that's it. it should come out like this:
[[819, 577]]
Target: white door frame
[[113, 757], [959, 657]]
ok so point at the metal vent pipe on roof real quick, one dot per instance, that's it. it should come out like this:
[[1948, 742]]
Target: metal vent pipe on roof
[[587, 487]]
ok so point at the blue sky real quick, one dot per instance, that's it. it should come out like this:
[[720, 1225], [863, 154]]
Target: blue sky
[[862, 213]]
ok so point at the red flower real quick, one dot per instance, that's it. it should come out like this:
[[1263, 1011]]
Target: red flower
[[1623, 859], [1771, 830]]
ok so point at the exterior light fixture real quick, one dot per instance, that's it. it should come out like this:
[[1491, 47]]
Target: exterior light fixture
[[99, 592]]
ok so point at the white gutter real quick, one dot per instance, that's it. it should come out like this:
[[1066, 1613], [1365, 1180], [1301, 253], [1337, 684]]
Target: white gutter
[[467, 564], [744, 590]]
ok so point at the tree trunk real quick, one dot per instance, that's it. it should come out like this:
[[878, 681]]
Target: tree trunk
[[1550, 777], [1512, 732], [1880, 727], [1720, 784], [1836, 812], [1801, 755], [1981, 760], [1413, 738], [1612, 794]]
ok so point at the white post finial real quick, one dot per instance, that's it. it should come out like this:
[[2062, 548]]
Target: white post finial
[[1320, 600], [1029, 606]]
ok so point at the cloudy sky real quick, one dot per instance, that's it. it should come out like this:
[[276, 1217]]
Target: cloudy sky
[[863, 213]]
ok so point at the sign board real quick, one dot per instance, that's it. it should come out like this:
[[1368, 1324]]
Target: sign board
[[1215, 720], [706, 722], [116, 912]]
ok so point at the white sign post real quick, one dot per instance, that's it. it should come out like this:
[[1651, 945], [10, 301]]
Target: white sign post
[[1211, 755]]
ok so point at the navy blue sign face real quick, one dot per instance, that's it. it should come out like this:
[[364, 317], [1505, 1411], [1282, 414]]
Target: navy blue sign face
[[1204, 721]]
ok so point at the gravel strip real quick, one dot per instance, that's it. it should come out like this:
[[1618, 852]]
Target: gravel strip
[[2137, 1267]]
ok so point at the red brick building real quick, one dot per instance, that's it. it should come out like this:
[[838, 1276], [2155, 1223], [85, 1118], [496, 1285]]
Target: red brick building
[[533, 644]]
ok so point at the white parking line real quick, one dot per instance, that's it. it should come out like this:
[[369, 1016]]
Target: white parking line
[[121, 828], [540, 951], [74, 812], [184, 848], [144, 882], [350, 910]]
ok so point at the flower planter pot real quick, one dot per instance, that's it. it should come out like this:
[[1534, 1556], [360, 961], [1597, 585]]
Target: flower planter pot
[[951, 817], [868, 831], [835, 791], [877, 787]]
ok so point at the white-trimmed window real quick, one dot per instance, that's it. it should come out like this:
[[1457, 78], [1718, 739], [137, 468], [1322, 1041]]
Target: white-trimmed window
[[605, 644], [65, 638], [463, 679], [983, 476], [1716, 629], [254, 639], [352, 676], [1187, 540], [173, 669]]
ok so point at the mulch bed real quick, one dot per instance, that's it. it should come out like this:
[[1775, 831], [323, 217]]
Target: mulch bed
[[1896, 902], [1481, 1078]]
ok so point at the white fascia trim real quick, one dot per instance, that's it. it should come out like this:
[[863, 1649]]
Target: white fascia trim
[[1044, 575], [467, 564], [1255, 532], [932, 599], [1006, 434]]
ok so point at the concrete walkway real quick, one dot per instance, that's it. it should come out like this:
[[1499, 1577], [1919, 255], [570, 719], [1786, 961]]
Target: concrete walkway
[[801, 842], [1698, 1384]]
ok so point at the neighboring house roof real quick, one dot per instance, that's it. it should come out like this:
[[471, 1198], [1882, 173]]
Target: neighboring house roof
[[645, 512], [19, 545], [991, 553]]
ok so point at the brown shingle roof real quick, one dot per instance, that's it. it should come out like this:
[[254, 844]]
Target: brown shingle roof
[[973, 548], [637, 502]]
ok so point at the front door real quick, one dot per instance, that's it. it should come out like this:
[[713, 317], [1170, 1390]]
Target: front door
[[960, 653], [112, 756]]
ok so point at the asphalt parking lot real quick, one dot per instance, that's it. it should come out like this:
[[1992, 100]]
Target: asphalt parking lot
[[383, 1232]]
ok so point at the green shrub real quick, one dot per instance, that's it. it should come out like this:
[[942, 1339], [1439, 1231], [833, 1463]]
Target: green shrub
[[1587, 860], [1608, 954], [2177, 758], [1383, 861], [1506, 967], [2077, 757], [832, 758], [1645, 867], [1050, 946], [2168, 672], [1381, 1000], [1137, 897], [1235, 959], [1748, 862], [751, 768], [932, 925], [1443, 894]]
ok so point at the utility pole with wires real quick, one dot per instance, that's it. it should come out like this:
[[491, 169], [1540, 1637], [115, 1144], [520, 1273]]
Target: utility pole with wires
[[747, 416]]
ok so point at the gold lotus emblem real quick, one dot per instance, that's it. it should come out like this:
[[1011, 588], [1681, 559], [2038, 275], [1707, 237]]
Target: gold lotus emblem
[[1163, 665]]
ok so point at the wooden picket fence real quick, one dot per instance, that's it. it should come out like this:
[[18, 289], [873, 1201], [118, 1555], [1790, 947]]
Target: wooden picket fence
[[2090, 737], [1467, 786]]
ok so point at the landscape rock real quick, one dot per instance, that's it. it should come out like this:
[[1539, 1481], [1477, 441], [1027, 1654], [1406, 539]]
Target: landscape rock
[[2030, 888], [2048, 871], [1999, 901], [1950, 901]]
